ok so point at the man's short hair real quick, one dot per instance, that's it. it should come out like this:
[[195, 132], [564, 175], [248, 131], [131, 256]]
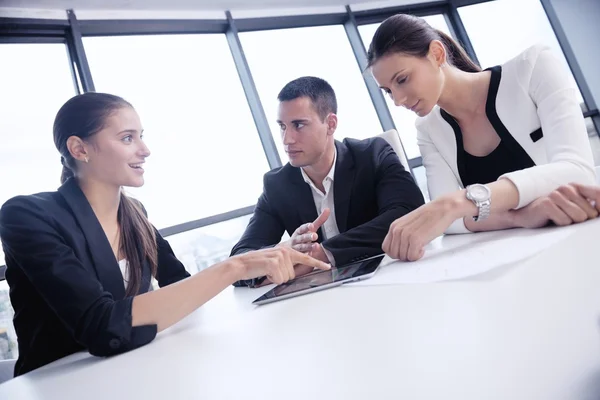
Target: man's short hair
[[317, 90]]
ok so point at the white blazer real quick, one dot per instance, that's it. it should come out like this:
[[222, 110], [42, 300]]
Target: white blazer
[[531, 104]]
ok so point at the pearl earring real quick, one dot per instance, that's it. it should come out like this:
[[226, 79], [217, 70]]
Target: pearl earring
[[86, 159]]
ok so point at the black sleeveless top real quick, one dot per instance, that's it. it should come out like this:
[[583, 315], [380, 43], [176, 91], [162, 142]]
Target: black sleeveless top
[[509, 156]]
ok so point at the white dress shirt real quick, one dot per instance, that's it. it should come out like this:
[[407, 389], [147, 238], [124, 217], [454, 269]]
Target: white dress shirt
[[323, 201], [124, 267]]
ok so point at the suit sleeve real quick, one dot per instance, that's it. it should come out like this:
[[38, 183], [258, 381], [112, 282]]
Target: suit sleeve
[[397, 195], [565, 135], [440, 178], [95, 320], [170, 269], [265, 229]]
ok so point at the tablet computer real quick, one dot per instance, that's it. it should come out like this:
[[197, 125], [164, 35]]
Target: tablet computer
[[320, 280]]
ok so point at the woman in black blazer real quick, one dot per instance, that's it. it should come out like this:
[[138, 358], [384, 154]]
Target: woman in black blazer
[[80, 260]]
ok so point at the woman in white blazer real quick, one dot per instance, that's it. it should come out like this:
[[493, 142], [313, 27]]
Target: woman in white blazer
[[504, 147]]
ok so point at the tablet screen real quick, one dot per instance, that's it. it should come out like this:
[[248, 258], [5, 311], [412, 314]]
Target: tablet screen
[[320, 278]]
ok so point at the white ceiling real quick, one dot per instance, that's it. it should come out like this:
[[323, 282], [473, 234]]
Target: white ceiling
[[196, 5]]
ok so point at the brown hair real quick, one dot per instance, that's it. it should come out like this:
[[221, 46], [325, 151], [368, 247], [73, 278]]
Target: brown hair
[[319, 92], [84, 116], [403, 33]]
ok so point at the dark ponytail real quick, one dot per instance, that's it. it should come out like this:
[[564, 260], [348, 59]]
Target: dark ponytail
[[456, 54], [138, 241], [407, 34], [66, 171], [84, 116]]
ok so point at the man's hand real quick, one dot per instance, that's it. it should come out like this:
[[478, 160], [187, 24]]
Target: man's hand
[[303, 238]]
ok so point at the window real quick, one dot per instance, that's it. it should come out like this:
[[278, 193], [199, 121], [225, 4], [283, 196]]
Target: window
[[278, 56], [404, 119], [421, 179], [200, 248], [206, 153], [490, 27], [36, 81], [594, 140], [8, 336]]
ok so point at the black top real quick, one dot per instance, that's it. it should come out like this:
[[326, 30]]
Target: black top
[[65, 283], [489, 168], [371, 190], [509, 156]]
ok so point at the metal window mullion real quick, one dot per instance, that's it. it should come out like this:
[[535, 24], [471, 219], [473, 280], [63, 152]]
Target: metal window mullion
[[258, 113], [358, 48], [457, 27], [78, 52], [151, 27], [72, 66], [415, 162], [567, 50], [200, 223]]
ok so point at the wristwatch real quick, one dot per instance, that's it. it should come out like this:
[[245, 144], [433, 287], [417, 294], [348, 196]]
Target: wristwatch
[[481, 196]]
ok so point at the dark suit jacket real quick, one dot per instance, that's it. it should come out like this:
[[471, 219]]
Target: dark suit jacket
[[371, 189], [65, 284]]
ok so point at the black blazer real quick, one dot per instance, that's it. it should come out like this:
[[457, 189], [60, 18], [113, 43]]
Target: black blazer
[[371, 189], [65, 284]]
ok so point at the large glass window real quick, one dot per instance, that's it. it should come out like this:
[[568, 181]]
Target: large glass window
[[200, 248], [404, 119], [489, 26], [206, 153], [278, 56], [35, 81], [8, 336]]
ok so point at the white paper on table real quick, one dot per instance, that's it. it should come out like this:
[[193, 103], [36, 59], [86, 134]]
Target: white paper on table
[[459, 256]]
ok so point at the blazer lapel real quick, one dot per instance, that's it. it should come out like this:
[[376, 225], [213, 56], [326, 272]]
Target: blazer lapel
[[492, 115], [105, 264], [342, 185], [443, 135], [458, 145]]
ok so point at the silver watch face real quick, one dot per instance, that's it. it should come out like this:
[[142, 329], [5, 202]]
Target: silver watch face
[[479, 192]]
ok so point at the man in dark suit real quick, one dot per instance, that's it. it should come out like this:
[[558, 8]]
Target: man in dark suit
[[357, 187]]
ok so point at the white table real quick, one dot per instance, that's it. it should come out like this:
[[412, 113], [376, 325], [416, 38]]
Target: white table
[[528, 331]]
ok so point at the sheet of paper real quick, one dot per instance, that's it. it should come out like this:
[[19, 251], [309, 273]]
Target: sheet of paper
[[454, 257]]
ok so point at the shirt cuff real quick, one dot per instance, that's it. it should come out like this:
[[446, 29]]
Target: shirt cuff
[[329, 256]]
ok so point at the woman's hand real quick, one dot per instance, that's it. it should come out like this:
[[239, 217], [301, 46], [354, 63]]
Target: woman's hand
[[566, 205], [277, 264], [409, 234]]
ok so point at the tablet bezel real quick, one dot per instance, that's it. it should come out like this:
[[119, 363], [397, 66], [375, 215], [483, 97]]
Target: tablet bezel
[[320, 287]]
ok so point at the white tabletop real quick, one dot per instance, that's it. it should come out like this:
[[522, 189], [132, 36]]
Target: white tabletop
[[530, 330]]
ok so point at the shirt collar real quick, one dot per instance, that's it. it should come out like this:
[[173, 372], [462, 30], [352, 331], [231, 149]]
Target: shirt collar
[[330, 175]]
